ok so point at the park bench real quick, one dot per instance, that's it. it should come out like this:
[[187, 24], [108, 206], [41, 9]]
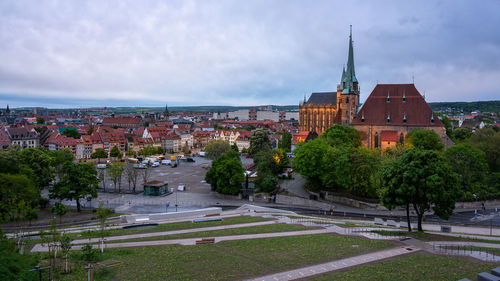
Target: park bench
[[205, 241]]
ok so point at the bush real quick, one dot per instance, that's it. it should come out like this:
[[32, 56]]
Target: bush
[[88, 253]]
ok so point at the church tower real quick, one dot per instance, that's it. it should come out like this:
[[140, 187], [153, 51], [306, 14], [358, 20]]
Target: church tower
[[348, 89]]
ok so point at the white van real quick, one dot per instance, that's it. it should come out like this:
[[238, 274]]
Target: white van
[[101, 166], [166, 162]]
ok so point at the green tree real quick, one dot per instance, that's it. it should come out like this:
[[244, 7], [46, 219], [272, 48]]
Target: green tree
[[59, 157], [259, 141], [40, 163], [103, 214], [422, 179], [30, 213], [17, 194], [77, 182], [336, 167], [115, 173], [115, 152], [448, 126], [99, 153], [235, 148], [470, 164], [425, 139], [72, 133], [40, 120], [487, 139], [338, 135], [365, 172], [59, 210], [216, 148], [461, 134], [65, 243], [309, 160], [285, 142], [10, 160], [226, 174], [131, 153]]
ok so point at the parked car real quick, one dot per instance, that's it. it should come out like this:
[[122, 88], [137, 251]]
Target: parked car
[[189, 159], [155, 164], [101, 166], [181, 187], [166, 162], [140, 166]]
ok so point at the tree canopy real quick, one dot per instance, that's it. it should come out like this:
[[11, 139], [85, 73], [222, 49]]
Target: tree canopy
[[77, 182], [226, 174], [99, 153], [286, 141], [40, 163], [425, 139], [115, 152], [17, 195], [259, 141], [72, 133], [216, 148], [422, 179]]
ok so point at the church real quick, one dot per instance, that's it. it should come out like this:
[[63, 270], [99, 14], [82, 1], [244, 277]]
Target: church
[[322, 110], [388, 115]]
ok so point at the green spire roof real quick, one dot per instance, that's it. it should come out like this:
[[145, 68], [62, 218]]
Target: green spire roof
[[350, 75]]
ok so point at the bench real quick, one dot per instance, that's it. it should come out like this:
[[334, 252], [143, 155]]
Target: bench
[[205, 241]]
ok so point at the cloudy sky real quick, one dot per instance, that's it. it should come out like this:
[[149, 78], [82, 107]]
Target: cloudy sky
[[148, 53]]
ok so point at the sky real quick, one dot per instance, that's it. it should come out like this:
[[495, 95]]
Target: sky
[[73, 53]]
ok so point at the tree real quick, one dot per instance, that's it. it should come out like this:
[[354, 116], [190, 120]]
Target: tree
[[40, 120], [72, 133], [131, 153], [17, 194], [365, 175], [226, 174], [448, 126], [77, 182], [488, 140], [115, 173], [309, 160], [30, 213], [10, 160], [286, 141], [98, 154], [59, 210], [40, 163], [150, 150], [131, 175], [65, 244], [470, 165], [235, 148], [59, 157], [267, 170], [461, 134], [115, 152], [338, 135], [259, 141], [216, 148], [422, 179], [145, 174], [425, 139], [103, 214], [101, 175]]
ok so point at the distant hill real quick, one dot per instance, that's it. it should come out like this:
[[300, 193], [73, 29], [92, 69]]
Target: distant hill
[[466, 107]]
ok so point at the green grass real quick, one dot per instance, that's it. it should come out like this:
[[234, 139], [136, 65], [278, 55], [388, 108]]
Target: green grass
[[228, 260], [223, 232], [418, 266], [171, 226]]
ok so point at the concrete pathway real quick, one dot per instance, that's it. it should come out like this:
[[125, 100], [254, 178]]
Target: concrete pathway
[[336, 265]]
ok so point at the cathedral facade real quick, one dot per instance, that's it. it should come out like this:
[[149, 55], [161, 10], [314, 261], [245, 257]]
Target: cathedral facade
[[322, 110]]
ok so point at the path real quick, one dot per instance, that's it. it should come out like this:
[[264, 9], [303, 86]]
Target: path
[[336, 265]]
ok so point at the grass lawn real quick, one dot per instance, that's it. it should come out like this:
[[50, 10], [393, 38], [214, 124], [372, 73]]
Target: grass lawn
[[226, 260], [223, 232], [418, 266]]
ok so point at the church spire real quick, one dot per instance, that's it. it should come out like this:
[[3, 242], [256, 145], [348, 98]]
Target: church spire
[[350, 79]]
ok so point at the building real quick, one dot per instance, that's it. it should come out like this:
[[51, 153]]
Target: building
[[23, 137], [391, 112], [124, 122], [322, 110]]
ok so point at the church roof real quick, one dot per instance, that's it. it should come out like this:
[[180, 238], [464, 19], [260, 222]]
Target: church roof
[[396, 104], [325, 98]]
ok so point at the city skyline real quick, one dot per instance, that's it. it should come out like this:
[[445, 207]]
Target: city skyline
[[192, 53]]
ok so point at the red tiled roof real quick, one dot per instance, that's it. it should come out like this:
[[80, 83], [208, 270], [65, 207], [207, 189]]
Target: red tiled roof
[[121, 120], [377, 109], [389, 136]]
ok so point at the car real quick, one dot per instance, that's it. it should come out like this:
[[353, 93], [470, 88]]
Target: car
[[140, 166], [181, 187], [101, 166], [189, 159], [166, 162], [155, 164]]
